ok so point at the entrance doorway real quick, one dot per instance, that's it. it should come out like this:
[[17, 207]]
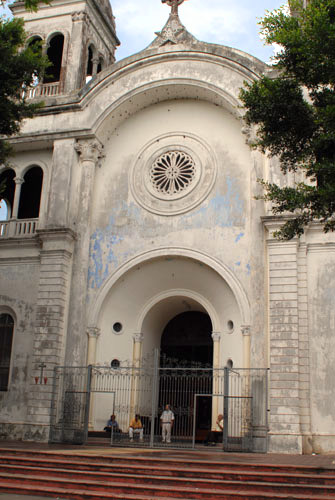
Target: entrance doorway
[[188, 337], [187, 341]]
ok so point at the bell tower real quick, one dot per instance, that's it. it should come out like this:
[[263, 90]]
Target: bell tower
[[79, 37]]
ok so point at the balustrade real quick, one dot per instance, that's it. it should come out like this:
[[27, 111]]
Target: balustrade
[[42, 90], [18, 228]]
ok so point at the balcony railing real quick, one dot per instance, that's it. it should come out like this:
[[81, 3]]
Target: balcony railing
[[18, 228], [42, 90]]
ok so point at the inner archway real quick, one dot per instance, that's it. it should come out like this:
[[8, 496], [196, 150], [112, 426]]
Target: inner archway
[[187, 342], [188, 337]]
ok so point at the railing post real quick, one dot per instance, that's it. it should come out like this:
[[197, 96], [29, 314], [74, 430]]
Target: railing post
[[225, 407], [155, 383], [87, 402]]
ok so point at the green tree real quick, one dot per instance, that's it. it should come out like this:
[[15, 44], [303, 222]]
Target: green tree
[[20, 65], [294, 112]]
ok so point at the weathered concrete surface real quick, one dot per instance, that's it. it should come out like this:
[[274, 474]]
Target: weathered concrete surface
[[111, 247]]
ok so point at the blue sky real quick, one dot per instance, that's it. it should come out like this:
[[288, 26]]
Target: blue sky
[[216, 21]]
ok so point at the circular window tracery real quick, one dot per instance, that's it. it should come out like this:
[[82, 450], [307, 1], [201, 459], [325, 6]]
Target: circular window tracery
[[172, 172]]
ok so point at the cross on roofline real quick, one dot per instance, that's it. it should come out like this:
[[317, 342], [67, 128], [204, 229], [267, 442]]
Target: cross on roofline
[[174, 4]]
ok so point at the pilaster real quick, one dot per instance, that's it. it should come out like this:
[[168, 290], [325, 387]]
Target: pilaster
[[60, 186], [284, 397], [246, 333], [304, 353], [93, 334], [89, 152], [50, 324], [75, 68]]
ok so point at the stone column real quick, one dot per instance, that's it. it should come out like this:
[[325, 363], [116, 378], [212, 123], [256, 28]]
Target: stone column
[[137, 352], [246, 345], [93, 335], [75, 70], [63, 161], [137, 348], [89, 151], [95, 62], [18, 184], [217, 376], [285, 433], [50, 325]]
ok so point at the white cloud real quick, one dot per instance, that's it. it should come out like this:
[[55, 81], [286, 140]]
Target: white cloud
[[217, 21]]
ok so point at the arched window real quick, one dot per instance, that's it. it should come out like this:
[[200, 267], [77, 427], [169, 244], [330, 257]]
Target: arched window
[[7, 195], [89, 69], [6, 340], [55, 54], [4, 210], [30, 199], [35, 44]]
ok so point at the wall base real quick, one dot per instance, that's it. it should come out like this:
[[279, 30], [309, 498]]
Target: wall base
[[24, 432], [322, 444], [285, 443]]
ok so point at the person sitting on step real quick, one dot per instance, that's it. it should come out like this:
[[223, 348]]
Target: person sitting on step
[[112, 425], [215, 436], [136, 427]]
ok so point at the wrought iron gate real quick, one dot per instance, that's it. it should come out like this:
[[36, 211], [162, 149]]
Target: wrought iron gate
[[196, 394]]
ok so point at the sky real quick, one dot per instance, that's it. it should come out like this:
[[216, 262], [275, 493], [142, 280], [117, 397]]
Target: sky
[[226, 22]]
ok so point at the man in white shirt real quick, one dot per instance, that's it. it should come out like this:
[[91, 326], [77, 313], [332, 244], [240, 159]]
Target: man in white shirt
[[167, 420]]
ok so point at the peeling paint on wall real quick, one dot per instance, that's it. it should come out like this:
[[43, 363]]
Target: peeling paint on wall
[[102, 255], [238, 237], [223, 210]]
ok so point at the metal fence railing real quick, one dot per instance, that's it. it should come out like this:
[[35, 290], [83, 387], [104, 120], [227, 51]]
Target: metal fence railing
[[196, 395]]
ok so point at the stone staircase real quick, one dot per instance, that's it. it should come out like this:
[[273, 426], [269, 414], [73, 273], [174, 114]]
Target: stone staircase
[[85, 476]]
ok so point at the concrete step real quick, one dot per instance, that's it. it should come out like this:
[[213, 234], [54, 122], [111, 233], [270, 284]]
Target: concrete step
[[85, 476], [180, 463], [189, 489], [60, 468], [83, 494]]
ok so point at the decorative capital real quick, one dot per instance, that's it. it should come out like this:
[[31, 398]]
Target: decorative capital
[[216, 337], [79, 16], [89, 150], [18, 180], [93, 332], [138, 337], [245, 329], [174, 4]]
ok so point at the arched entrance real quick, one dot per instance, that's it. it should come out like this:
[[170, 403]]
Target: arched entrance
[[188, 337], [187, 342]]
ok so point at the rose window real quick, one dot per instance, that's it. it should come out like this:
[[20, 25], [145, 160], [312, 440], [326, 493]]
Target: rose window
[[172, 173]]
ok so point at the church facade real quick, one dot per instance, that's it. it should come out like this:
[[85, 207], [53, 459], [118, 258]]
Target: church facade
[[132, 225]]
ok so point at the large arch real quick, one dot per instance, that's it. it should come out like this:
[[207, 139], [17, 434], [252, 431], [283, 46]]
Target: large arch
[[223, 271]]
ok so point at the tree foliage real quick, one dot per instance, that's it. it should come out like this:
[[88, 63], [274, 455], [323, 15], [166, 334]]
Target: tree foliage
[[31, 5], [295, 112], [21, 65]]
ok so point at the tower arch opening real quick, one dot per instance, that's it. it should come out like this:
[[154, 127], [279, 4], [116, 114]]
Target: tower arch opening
[[55, 55], [29, 207]]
